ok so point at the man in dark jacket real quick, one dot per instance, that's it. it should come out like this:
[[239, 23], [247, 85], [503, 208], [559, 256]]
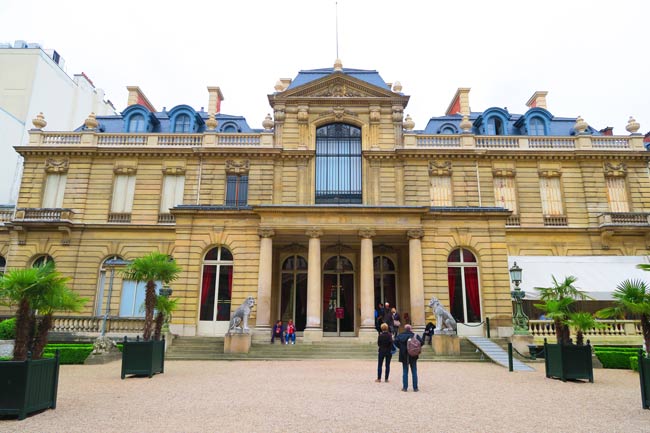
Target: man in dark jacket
[[406, 359], [388, 317]]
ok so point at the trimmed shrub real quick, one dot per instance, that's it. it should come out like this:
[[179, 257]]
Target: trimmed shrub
[[634, 363], [69, 353], [615, 359], [8, 329]]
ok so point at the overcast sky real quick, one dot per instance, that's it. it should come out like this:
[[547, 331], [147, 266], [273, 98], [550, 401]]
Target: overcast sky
[[591, 56]]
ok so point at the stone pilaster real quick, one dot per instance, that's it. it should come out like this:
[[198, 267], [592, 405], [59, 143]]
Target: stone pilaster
[[313, 331], [367, 288], [416, 278]]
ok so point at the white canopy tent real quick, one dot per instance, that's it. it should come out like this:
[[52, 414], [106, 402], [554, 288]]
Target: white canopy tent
[[596, 275]]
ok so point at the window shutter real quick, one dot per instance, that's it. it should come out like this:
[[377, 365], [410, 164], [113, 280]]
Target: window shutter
[[617, 194], [54, 190], [551, 195], [504, 193], [441, 191], [123, 192]]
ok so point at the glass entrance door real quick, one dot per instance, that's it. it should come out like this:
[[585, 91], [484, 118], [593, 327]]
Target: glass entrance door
[[338, 297]]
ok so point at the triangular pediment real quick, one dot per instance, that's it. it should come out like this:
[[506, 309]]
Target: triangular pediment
[[337, 85]]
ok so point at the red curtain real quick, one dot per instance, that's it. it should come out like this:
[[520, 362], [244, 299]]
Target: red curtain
[[471, 287], [209, 275], [451, 277]]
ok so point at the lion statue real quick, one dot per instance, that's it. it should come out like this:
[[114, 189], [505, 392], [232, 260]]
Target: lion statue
[[445, 323], [239, 320]]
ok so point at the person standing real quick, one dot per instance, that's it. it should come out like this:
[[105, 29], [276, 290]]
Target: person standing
[[388, 317], [385, 344], [277, 332], [291, 333], [408, 358], [396, 321]]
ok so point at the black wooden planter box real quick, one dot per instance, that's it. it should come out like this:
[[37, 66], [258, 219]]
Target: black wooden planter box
[[143, 358], [28, 386], [644, 375], [568, 361]]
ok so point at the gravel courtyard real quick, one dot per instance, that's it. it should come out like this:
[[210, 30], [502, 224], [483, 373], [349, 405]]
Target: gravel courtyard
[[336, 396]]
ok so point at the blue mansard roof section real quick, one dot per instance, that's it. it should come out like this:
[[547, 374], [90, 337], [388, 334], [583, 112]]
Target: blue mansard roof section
[[557, 126], [369, 76], [160, 122]]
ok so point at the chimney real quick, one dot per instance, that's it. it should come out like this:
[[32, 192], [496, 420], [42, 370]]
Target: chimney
[[460, 102], [537, 100], [608, 131], [136, 96], [214, 100]]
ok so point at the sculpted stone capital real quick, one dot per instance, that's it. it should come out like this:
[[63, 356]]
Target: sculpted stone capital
[[314, 232], [56, 166], [266, 232], [615, 170], [237, 167], [415, 234], [367, 233]]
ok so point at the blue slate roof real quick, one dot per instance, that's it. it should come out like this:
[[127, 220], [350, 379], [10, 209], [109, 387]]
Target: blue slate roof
[[515, 123], [369, 76], [161, 123]]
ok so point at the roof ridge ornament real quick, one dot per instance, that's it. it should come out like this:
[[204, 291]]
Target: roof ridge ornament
[[338, 65], [632, 125], [39, 121]]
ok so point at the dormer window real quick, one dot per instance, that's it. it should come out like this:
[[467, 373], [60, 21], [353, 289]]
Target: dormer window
[[536, 122], [536, 126], [137, 123], [229, 127], [182, 123], [447, 129], [495, 126]]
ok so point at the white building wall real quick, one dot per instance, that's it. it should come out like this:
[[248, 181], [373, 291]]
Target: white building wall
[[31, 82]]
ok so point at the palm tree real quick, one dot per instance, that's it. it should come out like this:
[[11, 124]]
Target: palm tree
[[40, 290], [151, 268], [582, 322], [164, 306], [564, 293], [632, 297]]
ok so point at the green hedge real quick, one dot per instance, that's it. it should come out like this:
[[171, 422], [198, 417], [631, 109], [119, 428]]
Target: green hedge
[[8, 329], [69, 353], [634, 363], [616, 349]]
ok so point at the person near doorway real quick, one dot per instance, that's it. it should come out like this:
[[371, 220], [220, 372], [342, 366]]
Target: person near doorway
[[428, 332], [396, 321], [291, 333], [388, 317], [385, 344], [278, 332], [408, 359]]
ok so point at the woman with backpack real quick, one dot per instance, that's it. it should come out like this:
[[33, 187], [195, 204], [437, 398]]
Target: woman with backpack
[[385, 343], [410, 346]]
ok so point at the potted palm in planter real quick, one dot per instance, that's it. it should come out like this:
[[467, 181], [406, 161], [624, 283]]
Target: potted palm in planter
[[564, 360], [633, 297], [147, 356], [28, 383]]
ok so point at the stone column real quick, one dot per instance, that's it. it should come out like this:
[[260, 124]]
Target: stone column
[[416, 279], [264, 280], [367, 289], [314, 331]]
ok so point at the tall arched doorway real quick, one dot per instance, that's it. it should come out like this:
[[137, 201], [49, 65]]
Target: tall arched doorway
[[385, 281], [216, 291], [293, 299], [338, 297], [464, 293]]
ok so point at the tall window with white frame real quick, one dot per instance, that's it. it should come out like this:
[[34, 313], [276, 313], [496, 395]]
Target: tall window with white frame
[[237, 183], [440, 183], [56, 174], [103, 287], [123, 193], [338, 164], [464, 292], [385, 281], [293, 299], [182, 123], [617, 195], [172, 193], [132, 297], [551, 196], [216, 285], [505, 193]]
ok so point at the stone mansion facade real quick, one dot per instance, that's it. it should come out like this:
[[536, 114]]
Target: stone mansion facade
[[338, 203]]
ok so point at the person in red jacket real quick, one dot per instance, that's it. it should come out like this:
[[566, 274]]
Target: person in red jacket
[[291, 333]]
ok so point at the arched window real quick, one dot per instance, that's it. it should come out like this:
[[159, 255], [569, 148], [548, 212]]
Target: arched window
[[293, 303], [3, 265], [182, 123], [137, 123], [495, 126], [102, 287], [338, 296], [447, 130], [385, 281], [464, 293], [229, 127], [216, 285], [536, 126], [42, 260], [338, 164]]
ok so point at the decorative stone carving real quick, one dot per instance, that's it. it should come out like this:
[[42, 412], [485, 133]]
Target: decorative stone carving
[[338, 65], [303, 113], [54, 166], [549, 172], [212, 122], [174, 171], [339, 89], [612, 170], [367, 233], [504, 172], [314, 232], [338, 112], [445, 322], [279, 114], [415, 234], [408, 124], [398, 113], [632, 125], [39, 121], [91, 122], [124, 169], [375, 114], [267, 124], [465, 124], [237, 167], [440, 168], [266, 232], [239, 319], [580, 126], [397, 87]]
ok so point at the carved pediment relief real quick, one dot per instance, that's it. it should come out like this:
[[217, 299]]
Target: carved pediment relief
[[54, 166], [615, 170], [339, 112], [237, 167], [338, 86], [439, 168]]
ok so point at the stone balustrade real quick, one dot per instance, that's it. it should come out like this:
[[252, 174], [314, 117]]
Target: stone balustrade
[[624, 219], [43, 214], [612, 328], [93, 324]]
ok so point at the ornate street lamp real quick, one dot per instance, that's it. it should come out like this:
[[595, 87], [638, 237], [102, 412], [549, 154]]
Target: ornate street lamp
[[165, 291], [519, 319]]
